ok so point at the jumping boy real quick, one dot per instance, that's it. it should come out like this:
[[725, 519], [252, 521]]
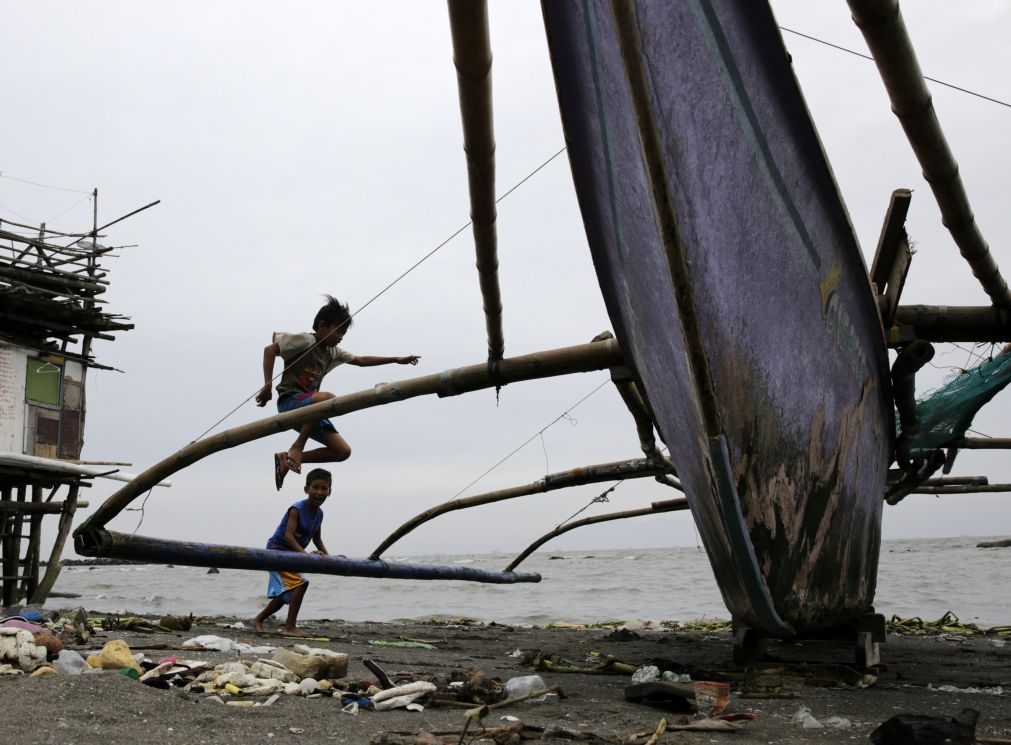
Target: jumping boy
[[300, 525], [307, 358]]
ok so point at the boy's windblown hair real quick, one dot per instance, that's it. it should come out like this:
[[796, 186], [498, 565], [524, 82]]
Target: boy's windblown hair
[[334, 312], [318, 474]]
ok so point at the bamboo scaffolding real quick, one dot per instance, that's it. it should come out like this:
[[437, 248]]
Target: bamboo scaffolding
[[468, 21], [881, 23], [956, 323], [670, 505], [582, 358], [109, 544], [48, 230], [622, 469]]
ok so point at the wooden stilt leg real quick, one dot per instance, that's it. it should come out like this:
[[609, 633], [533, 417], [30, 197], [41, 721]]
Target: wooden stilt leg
[[749, 644]]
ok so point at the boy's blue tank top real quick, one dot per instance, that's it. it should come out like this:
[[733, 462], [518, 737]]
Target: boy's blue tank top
[[308, 524]]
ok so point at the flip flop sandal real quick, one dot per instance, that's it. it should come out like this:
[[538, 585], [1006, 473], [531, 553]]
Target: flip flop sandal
[[280, 469]]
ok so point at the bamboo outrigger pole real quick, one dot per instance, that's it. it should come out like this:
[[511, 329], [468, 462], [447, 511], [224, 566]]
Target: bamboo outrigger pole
[[669, 505], [622, 469], [881, 23], [468, 21], [582, 358], [160, 551], [956, 323]]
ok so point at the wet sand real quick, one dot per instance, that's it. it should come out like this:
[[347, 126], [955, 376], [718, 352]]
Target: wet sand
[[108, 708]]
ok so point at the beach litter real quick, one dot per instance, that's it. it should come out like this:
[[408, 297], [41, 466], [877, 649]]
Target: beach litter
[[210, 642], [920, 729], [19, 652]]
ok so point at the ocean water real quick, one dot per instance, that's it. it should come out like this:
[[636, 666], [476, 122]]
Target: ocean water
[[922, 578]]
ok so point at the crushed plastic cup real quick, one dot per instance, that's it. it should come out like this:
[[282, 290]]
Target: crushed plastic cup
[[711, 698], [523, 685], [645, 674]]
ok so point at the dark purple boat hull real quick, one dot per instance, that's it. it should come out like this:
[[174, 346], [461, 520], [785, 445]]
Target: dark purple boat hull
[[737, 291]]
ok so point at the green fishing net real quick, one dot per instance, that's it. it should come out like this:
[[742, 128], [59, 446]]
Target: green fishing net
[[945, 414]]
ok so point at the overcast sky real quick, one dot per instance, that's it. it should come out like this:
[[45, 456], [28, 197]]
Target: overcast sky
[[317, 148]]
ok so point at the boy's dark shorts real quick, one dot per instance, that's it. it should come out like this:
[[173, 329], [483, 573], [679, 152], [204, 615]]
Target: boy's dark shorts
[[292, 401]]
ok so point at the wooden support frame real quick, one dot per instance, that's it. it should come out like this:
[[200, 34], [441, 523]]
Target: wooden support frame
[[622, 378], [669, 505], [892, 257], [581, 358], [951, 323], [881, 23], [985, 443], [963, 489], [622, 469], [53, 566]]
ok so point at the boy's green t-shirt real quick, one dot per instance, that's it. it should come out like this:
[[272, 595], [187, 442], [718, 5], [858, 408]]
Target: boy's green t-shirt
[[304, 370]]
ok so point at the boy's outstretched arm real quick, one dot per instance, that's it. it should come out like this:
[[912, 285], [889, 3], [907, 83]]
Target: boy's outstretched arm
[[372, 361], [270, 353]]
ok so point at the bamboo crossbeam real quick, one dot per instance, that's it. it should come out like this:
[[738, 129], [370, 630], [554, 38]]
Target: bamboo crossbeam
[[669, 505], [43, 245], [67, 282], [582, 358], [107, 544], [468, 20], [956, 323], [622, 469], [47, 230], [968, 489], [958, 481], [36, 508], [56, 328], [985, 443], [881, 23]]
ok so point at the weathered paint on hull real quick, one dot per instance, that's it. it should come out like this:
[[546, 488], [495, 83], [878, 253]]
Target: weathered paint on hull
[[729, 238]]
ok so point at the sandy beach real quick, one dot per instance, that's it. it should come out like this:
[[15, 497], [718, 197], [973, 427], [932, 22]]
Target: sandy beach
[[108, 708]]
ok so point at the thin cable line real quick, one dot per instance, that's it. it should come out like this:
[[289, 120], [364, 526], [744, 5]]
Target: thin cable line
[[382, 292], [44, 186], [54, 219], [8, 209], [925, 77], [530, 439]]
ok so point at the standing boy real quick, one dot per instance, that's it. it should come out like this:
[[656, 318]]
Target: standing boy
[[300, 525], [307, 358]]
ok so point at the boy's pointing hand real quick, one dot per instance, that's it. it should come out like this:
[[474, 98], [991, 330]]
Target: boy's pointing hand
[[409, 360]]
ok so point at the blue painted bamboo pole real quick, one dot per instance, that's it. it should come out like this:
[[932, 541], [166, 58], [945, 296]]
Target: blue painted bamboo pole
[[108, 544]]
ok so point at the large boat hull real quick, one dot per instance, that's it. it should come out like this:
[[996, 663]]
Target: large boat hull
[[737, 291]]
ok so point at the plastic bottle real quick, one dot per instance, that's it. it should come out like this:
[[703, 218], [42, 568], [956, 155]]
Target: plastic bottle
[[523, 685]]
